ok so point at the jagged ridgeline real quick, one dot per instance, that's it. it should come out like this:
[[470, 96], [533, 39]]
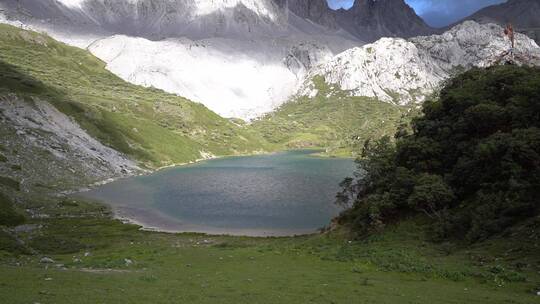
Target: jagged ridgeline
[[146, 124], [523, 14], [471, 165]]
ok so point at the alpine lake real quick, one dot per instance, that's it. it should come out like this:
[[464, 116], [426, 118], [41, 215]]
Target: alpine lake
[[280, 194]]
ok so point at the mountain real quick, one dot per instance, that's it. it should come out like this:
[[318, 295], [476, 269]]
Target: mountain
[[370, 20], [367, 20], [316, 11], [240, 58], [65, 121], [367, 92], [523, 14], [331, 120], [404, 71], [154, 19]]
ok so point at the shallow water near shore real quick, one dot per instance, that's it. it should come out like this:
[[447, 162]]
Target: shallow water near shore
[[279, 194]]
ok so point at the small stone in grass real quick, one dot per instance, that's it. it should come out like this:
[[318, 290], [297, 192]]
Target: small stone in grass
[[46, 260]]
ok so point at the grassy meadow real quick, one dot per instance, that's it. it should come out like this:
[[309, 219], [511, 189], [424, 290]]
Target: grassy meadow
[[99, 260]]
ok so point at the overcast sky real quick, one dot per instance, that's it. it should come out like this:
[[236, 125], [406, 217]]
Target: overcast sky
[[437, 13]]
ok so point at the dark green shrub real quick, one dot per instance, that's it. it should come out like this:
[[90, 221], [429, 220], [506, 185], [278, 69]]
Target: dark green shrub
[[9, 182], [431, 195], [10, 244], [8, 215], [50, 244]]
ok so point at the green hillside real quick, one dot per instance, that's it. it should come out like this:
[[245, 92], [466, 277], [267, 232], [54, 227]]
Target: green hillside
[[148, 124], [332, 120]]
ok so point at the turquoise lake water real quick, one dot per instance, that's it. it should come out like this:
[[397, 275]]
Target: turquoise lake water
[[268, 195]]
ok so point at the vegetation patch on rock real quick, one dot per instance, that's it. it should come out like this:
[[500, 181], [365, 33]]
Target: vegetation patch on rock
[[331, 120]]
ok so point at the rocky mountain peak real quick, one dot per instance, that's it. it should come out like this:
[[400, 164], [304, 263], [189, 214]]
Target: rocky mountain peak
[[152, 19], [316, 11], [370, 20]]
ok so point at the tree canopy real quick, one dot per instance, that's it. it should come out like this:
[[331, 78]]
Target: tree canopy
[[471, 162]]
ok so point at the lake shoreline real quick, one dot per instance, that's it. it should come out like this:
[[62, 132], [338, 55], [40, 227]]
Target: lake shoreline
[[120, 215], [299, 174], [146, 172]]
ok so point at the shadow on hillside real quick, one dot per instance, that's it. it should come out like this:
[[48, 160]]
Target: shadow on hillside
[[14, 80]]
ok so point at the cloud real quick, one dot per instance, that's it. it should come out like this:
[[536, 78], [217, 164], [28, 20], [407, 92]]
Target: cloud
[[436, 13]]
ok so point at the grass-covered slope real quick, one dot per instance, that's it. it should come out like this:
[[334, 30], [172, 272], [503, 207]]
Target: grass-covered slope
[[149, 125], [332, 120], [97, 260]]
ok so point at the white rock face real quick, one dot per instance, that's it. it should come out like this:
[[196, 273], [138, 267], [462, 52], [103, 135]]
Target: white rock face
[[389, 69], [240, 58], [235, 78], [405, 71]]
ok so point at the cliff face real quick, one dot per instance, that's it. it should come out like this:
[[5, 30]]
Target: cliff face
[[316, 11], [370, 20], [154, 19], [367, 20]]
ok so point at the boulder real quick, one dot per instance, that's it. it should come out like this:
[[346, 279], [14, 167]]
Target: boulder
[[46, 260]]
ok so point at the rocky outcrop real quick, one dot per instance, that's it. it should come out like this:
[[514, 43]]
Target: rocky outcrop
[[45, 149], [406, 71]]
